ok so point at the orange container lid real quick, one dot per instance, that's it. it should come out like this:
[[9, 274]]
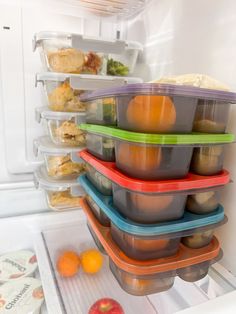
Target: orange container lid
[[190, 182], [184, 258]]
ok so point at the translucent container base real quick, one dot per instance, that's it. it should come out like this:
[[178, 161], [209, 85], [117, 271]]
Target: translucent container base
[[80, 292]]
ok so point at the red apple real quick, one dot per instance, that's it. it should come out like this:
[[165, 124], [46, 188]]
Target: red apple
[[106, 305]]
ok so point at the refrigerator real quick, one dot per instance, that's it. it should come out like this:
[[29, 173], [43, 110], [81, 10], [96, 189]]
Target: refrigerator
[[177, 37]]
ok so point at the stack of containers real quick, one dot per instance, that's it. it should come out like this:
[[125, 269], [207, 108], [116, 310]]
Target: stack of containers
[[153, 181], [74, 64]]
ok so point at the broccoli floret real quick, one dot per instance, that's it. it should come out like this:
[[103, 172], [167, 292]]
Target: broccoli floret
[[116, 68]]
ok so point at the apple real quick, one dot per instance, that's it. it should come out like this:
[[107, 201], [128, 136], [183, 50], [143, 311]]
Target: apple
[[107, 306]]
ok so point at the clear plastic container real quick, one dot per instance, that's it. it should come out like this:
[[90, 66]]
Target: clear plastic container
[[156, 156], [144, 242], [102, 218], [101, 147], [60, 195], [63, 127], [162, 108], [102, 183], [208, 160], [74, 53], [96, 240], [60, 162], [153, 201], [146, 277], [63, 92]]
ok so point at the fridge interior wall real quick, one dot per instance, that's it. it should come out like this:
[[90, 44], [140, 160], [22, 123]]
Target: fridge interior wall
[[179, 36]]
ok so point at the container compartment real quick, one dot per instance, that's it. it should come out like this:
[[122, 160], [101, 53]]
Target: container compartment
[[211, 116], [101, 111], [101, 217], [204, 202], [208, 160], [194, 272], [96, 240], [63, 127], [145, 284], [60, 195], [101, 147], [152, 162], [144, 248], [198, 239], [149, 207], [74, 53], [102, 184]]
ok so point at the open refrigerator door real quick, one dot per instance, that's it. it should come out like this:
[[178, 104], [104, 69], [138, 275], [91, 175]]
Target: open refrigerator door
[[146, 193]]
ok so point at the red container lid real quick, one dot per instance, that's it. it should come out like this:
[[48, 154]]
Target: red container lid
[[190, 182], [183, 258]]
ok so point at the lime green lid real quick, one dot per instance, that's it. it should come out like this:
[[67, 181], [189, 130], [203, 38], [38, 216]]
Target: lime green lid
[[159, 139]]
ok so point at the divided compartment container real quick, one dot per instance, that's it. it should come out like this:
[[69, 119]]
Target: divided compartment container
[[60, 195], [158, 156], [60, 162], [145, 242], [155, 201], [63, 92], [63, 127], [146, 277], [163, 108], [75, 53]]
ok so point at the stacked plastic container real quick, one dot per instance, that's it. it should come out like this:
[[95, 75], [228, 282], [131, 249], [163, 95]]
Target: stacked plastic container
[[73, 64], [153, 180]]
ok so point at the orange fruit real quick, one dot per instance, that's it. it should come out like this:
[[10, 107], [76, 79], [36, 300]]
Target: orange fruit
[[150, 203], [151, 113], [140, 158], [91, 261], [68, 264]]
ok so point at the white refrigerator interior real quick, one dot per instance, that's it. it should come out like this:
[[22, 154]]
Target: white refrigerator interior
[[179, 36]]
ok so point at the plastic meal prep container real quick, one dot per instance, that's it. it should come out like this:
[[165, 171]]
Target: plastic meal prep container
[[63, 91], [60, 162], [158, 156], [75, 53], [144, 242], [163, 108], [63, 127], [60, 195], [146, 277], [155, 201]]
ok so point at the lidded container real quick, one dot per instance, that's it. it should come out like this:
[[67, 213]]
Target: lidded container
[[159, 240], [63, 91], [63, 127], [146, 277], [163, 108], [60, 195], [155, 201], [61, 162], [75, 53], [157, 156]]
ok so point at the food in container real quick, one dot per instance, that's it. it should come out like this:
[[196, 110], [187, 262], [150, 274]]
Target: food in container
[[22, 296], [100, 146], [154, 156], [156, 201], [74, 53], [144, 242], [146, 277], [60, 195], [16, 265], [63, 92], [208, 160], [63, 127], [198, 239], [103, 219], [102, 183], [60, 162], [161, 108]]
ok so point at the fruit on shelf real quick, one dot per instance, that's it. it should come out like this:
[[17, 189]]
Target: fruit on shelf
[[106, 305], [91, 261], [68, 264]]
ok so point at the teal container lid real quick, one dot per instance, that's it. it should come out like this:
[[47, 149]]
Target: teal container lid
[[158, 139], [188, 225]]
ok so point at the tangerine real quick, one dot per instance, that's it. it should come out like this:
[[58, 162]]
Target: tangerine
[[68, 264], [91, 261], [151, 113]]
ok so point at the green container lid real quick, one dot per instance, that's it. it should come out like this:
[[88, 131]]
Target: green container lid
[[158, 139]]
